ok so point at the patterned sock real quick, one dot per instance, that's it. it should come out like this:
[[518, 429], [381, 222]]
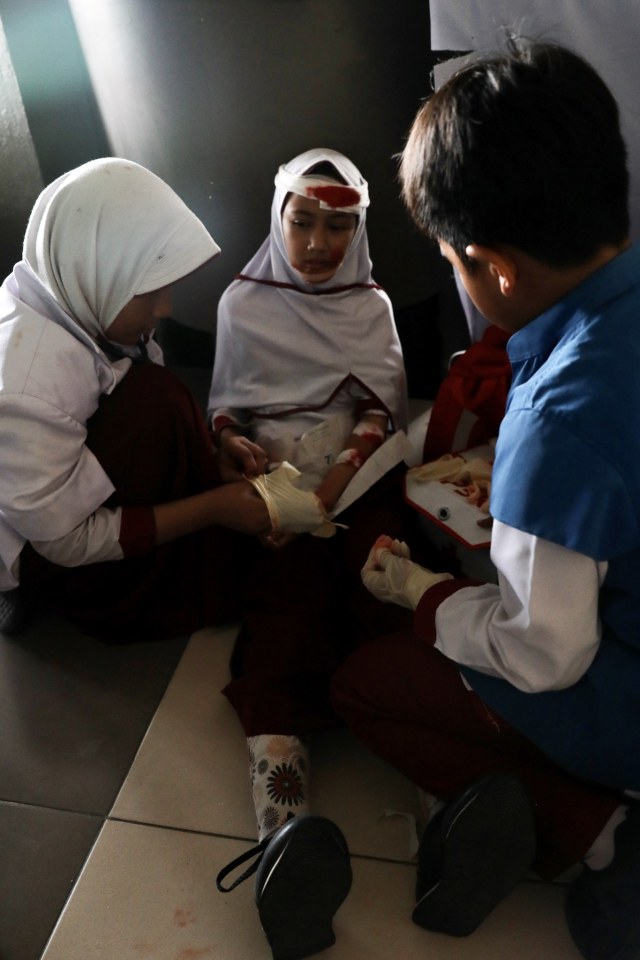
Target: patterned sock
[[279, 770]]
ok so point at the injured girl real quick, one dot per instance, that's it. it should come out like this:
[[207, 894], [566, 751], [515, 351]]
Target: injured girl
[[308, 370]]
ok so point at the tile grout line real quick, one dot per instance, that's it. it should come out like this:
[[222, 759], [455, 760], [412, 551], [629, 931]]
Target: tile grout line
[[104, 818]]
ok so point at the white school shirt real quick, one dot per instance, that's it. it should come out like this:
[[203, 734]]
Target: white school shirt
[[49, 480], [97, 236], [290, 355], [538, 627]]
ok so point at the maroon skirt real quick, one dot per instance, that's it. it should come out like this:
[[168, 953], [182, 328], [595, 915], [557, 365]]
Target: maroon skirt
[[305, 610], [152, 440]]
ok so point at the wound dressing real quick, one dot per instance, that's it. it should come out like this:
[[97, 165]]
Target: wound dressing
[[329, 194]]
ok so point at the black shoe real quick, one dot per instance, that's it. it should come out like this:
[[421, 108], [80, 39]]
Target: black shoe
[[303, 874], [472, 854], [13, 613], [603, 906]]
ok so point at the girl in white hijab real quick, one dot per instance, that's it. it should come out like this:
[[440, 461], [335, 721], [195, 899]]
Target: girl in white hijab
[[308, 369], [106, 457], [304, 334]]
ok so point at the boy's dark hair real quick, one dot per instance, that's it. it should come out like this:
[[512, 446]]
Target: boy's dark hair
[[520, 148]]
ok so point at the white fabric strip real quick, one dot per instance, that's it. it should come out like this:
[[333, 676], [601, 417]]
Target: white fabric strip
[[307, 184]]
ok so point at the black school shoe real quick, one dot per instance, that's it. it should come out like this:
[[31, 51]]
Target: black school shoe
[[303, 874], [472, 854], [603, 906]]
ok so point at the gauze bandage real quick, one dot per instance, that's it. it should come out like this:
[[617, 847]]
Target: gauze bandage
[[472, 478], [330, 194], [292, 509], [370, 432], [351, 456], [452, 468]]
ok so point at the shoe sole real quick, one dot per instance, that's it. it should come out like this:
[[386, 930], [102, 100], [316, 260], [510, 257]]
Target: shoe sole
[[484, 856], [299, 891]]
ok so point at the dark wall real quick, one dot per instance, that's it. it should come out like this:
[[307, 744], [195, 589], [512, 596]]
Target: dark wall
[[212, 95]]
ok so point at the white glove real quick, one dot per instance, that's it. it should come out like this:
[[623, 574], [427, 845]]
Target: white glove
[[392, 577], [292, 509], [452, 468]]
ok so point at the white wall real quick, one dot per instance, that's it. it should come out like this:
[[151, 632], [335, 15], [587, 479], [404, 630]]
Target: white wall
[[606, 34]]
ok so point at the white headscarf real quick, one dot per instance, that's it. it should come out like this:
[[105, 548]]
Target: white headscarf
[[106, 232], [288, 344]]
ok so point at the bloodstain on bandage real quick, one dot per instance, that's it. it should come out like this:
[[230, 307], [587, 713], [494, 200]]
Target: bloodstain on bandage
[[351, 456], [334, 195], [370, 432]]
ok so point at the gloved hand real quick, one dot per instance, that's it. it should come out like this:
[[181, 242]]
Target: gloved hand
[[292, 509], [391, 576]]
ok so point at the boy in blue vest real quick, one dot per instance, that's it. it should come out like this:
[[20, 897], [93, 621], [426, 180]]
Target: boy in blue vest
[[518, 704]]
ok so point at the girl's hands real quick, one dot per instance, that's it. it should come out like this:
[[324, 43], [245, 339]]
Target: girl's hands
[[239, 457], [278, 539]]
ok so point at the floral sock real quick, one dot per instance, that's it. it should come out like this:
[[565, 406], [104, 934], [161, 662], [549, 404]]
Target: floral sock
[[279, 768]]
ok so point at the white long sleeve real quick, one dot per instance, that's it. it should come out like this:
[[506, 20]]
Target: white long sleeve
[[92, 541], [538, 627]]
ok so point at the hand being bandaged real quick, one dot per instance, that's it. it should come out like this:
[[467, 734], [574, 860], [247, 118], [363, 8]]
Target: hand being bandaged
[[292, 509], [391, 576]]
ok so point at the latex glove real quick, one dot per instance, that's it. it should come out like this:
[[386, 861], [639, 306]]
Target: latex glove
[[391, 576], [292, 509], [452, 468]]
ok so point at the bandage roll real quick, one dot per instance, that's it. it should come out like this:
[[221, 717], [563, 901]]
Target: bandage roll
[[291, 509]]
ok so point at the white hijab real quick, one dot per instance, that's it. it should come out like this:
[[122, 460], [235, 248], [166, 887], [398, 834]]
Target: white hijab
[[106, 232], [286, 344]]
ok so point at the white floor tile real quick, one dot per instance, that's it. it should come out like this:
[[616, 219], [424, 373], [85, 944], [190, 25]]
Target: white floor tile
[[192, 770], [148, 892]]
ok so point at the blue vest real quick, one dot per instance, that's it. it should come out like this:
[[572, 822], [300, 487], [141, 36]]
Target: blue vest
[[567, 469]]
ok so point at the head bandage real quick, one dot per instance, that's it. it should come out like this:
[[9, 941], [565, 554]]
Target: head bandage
[[330, 194]]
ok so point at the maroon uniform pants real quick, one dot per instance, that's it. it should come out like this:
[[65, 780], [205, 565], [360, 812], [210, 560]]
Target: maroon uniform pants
[[152, 440], [305, 609], [408, 704]]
